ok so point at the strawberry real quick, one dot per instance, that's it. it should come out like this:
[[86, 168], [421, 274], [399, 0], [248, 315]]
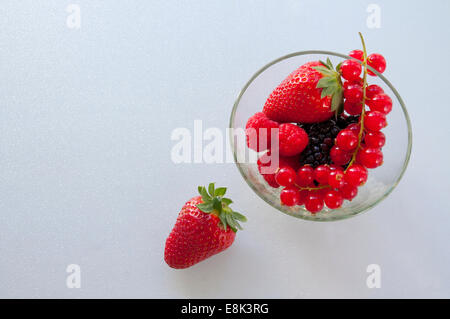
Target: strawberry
[[205, 226], [310, 94]]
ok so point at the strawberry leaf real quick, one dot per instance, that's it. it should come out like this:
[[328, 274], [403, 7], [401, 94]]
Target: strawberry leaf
[[220, 191], [211, 189], [331, 85], [215, 203], [206, 207]]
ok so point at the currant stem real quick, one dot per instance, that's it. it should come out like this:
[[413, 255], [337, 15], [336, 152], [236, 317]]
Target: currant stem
[[363, 111]]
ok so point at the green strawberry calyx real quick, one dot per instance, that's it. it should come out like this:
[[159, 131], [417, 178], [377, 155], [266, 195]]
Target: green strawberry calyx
[[215, 203], [331, 85]]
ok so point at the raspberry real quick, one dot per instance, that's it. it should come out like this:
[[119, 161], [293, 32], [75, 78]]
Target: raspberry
[[259, 131], [292, 139]]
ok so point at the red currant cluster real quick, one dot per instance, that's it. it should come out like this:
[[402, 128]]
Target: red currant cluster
[[356, 147]]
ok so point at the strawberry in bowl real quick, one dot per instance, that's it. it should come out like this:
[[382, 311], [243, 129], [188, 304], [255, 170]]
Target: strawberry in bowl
[[328, 127]]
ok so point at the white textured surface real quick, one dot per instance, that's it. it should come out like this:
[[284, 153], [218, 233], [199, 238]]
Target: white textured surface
[[86, 176]]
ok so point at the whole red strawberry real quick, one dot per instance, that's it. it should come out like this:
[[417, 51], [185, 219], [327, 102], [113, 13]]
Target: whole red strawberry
[[205, 226], [310, 94]]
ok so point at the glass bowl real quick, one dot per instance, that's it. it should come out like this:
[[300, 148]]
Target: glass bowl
[[381, 181]]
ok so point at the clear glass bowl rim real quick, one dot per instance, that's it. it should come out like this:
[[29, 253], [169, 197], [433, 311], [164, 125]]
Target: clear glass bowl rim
[[386, 81]]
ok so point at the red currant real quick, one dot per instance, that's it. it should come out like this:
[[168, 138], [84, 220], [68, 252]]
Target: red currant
[[355, 128], [381, 103], [375, 121], [374, 139], [352, 108], [370, 157], [350, 70], [357, 54], [356, 175], [348, 191], [285, 176], [376, 61], [290, 196], [336, 178], [303, 196], [305, 176], [314, 202], [347, 140], [339, 156], [321, 174], [373, 90], [353, 93], [346, 84], [333, 199]]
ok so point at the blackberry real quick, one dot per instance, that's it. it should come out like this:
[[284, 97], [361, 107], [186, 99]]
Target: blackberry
[[321, 139]]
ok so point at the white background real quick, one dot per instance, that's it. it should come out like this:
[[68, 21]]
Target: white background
[[86, 176]]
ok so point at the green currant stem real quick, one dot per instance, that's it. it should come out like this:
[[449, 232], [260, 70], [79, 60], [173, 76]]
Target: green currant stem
[[312, 188], [363, 111]]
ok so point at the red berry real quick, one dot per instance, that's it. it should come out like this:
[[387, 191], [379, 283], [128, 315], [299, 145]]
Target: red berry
[[350, 70], [352, 108], [305, 176], [355, 128], [374, 139], [348, 191], [314, 202], [259, 131], [381, 103], [336, 178], [373, 90], [303, 196], [357, 54], [339, 156], [267, 168], [321, 174], [290, 196], [370, 157], [292, 139], [376, 61], [353, 93], [356, 175], [285, 176], [375, 121], [347, 140], [333, 199], [358, 81]]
